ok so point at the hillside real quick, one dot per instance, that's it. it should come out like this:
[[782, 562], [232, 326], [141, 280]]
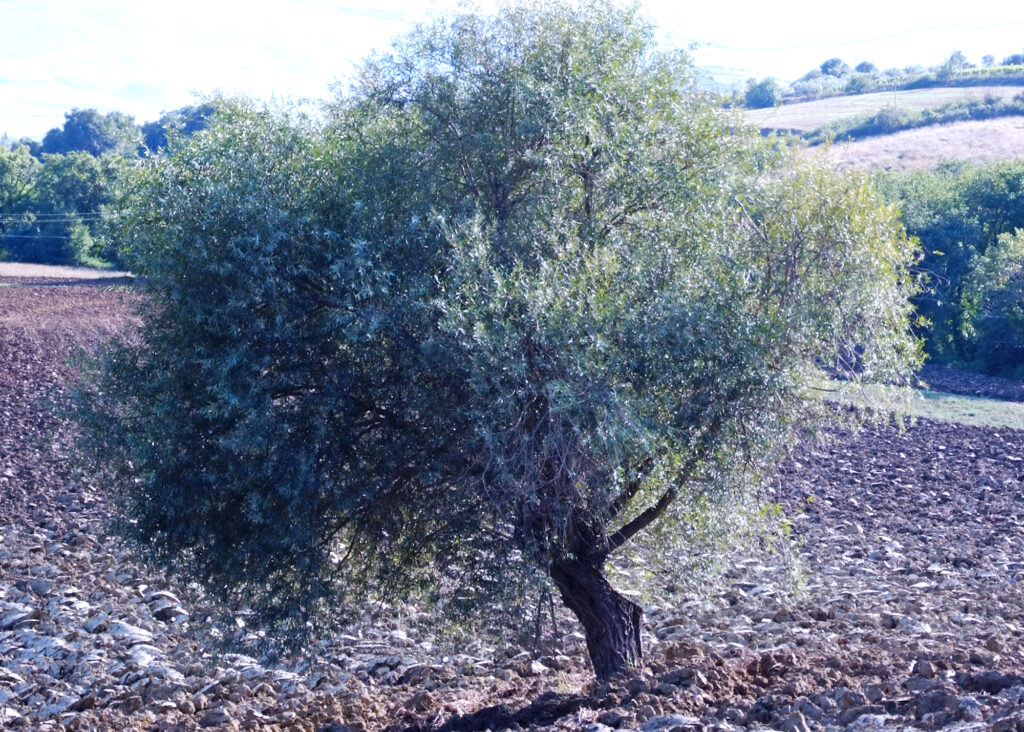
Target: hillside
[[807, 116], [980, 141]]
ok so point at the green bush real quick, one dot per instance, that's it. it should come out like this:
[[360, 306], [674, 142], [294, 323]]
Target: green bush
[[835, 67], [860, 83], [765, 93], [993, 305], [958, 212], [894, 119]]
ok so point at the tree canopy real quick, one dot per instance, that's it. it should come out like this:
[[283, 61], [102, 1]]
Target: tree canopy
[[523, 296], [958, 211], [87, 130]]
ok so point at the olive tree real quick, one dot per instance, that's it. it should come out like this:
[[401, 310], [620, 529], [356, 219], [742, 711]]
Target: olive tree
[[524, 296]]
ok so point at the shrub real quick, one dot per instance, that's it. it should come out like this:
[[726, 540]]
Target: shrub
[[835, 67], [993, 305], [859, 83], [765, 93]]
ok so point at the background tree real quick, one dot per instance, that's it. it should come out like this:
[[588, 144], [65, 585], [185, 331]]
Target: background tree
[[835, 67], [955, 64], [866, 67], [764, 93], [19, 173], [53, 210], [526, 297], [994, 305], [87, 130], [958, 211], [185, 120]]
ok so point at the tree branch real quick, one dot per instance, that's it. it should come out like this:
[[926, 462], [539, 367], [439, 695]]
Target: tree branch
[[648, 517], [642, 521], [632, 488]]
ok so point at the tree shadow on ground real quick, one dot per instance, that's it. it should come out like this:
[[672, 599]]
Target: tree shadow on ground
[[546, 709]]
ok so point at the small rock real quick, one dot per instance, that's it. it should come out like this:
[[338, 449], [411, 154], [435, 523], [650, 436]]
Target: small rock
[[852, 714], [96, 623], [611, 718], [848, 699], [421, 701], [924, 668], [130, 633], [671, 723], [216, 717], [17, 616], [41, 586], [968, 709], [990, 682], [934, 702], [1012, 723], [167, 611], [795, 723], [872, 723], [809, 709], [917, 684]]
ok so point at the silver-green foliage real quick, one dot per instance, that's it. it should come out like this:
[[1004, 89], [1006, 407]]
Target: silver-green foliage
[[525, 293]]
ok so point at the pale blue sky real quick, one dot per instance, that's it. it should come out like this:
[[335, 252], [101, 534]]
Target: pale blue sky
[[144, 58]]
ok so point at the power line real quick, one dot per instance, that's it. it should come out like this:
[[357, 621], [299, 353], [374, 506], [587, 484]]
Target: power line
[[829, 44]]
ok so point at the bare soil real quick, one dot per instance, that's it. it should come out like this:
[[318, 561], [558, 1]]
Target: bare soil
[[965, 383], [911, 615]]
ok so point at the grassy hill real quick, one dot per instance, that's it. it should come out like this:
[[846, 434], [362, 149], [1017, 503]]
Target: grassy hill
[[974, 123], [808, 116], [982, 141]]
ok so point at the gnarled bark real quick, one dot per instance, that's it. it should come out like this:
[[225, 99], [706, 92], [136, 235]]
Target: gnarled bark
[[610, 621]]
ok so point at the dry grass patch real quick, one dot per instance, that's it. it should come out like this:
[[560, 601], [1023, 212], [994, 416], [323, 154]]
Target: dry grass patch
[[49, 271], [807, 116], [981, 141]]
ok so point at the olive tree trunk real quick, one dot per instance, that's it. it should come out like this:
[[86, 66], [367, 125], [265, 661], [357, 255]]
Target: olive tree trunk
[[610, 621]]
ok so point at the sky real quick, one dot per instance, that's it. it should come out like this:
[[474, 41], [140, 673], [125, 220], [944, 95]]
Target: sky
[[145, 58]]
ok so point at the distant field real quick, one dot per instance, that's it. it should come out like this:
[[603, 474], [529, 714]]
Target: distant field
[[924, 147], [18, 269], [970, 410], [807, 116]]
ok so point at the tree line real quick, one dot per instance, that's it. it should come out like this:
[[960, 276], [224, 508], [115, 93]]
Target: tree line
[[53, 193], [835, 77], [969, 219]]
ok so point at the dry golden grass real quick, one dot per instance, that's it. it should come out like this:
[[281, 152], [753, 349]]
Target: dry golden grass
[[807, 116], [976, 141]]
